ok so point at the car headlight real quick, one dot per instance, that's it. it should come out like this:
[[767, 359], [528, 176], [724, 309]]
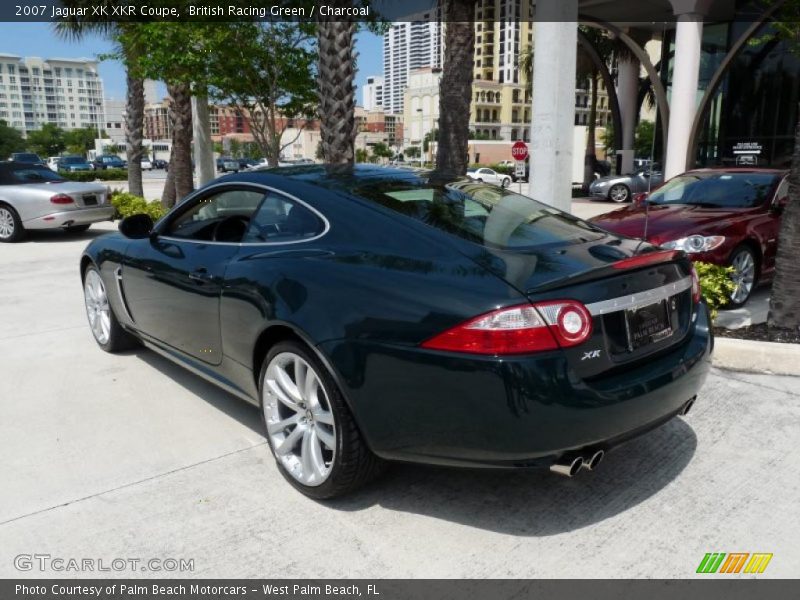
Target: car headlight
[[695, 243]]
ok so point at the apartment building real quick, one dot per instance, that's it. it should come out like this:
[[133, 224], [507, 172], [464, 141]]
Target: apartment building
[[372, 93], [62, 91]]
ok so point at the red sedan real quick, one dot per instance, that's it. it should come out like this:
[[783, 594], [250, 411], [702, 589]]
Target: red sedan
[[728, 217]]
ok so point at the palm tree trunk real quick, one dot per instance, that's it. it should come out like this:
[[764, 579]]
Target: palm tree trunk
[[455, 89], [590, 158], [180, 162], [134, 132], [784, 305], [337, 100]]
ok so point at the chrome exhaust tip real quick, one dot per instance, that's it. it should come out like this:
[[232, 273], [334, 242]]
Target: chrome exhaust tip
[[687, 407], [594, 460], [567, 466]]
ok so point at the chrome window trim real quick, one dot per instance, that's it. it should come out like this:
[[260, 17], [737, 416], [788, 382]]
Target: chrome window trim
[[639, 299], [267, 188]]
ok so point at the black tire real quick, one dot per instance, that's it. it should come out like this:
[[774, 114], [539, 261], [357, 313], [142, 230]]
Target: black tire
[[623, 195], [504, 183], [78, 228], [743, 253], [118, 339], [480, 180], [7, 213], [354, 464]]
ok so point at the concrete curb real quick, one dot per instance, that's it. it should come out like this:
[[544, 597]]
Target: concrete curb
[[757, 357]]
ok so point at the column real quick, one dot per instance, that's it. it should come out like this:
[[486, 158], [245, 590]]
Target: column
[[628, 95], [201, 135], [555, 38], [685, 73]]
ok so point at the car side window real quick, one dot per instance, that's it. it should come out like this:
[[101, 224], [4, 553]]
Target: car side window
[[280, 219], [220, 217], [782, 193]]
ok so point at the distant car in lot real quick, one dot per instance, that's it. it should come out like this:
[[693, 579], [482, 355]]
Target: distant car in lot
[[622, 188], [234, 165], [729, 217], [73, 163], [146, 164], [487, 175], [52, 163], [108, 161], [159, 163], [377, 313], [34, 197], [27, 157]]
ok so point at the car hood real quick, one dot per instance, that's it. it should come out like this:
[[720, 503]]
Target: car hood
[[665, 222], [611, 178]]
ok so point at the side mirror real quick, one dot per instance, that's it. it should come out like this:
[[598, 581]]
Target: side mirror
[[639, 200], [136, 227], [779, 205]]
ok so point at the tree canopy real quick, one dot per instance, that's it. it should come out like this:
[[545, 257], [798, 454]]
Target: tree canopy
[[10, 140]]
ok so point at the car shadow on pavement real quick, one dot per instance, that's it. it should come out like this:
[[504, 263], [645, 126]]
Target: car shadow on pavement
[[236, 408], [57, 235], [535, 503]]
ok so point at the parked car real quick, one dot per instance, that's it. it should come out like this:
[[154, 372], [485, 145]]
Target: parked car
[[52, 163], [383, 314], [34, 197], [729, 217], [234, 165], [159, 163], [73, 163], [146, 164], [108, 161], [27, 157], [621, 188], [487, 175]]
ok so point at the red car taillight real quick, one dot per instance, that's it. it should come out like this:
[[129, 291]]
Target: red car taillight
[[696, 291], [61, 199], [519, 330]]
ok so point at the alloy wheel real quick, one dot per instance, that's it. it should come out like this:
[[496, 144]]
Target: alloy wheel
[[6, 223], [299, 419], [97, 308], [744, 276], [618, 193]]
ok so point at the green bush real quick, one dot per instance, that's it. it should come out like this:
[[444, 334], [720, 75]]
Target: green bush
[[716, 285], [129, 204], [504, 169], [106, 175]]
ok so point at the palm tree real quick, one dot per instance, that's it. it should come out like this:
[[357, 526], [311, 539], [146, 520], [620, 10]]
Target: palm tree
[[74, 28], [455, 89], [337, 93], [180, 180]]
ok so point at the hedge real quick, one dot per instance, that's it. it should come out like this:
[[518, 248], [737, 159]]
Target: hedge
[[130, 204], [102, 175]]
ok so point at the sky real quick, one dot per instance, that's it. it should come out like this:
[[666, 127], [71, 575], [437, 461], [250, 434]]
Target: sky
[[38, 39]]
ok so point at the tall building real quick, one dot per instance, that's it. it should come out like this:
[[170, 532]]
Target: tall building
[[409, 45], [115, 120], [62, 91], [151, 95], [373, 93]]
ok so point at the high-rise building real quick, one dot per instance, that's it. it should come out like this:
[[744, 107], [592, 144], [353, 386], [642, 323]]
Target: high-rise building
[[408, 45], [114, 125], [373, 93], [62, 91], [151, 95]]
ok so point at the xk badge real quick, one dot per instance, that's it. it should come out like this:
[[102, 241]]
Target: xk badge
[[591, 354]]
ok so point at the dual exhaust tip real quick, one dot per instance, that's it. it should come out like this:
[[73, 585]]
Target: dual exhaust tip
[[570, 465]]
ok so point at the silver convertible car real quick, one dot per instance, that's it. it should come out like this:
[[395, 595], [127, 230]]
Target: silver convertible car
[[622, 188], [34, 197]]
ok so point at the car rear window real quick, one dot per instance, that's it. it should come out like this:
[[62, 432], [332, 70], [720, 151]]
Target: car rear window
[[73, 160], [483, 214], [33, 158], [723, 189], [29, 175]]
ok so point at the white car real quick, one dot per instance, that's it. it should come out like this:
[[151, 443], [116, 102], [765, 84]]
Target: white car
[[52, 162], [486, 175], [147, 165]]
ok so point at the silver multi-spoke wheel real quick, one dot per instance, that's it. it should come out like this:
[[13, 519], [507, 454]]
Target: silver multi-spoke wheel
[[97, 308], [619, 193], [299, 419], [7, 224], [744, 276]]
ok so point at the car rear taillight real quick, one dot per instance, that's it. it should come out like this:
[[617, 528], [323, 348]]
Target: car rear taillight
[[519, 329], [61, 199], [696, 291]]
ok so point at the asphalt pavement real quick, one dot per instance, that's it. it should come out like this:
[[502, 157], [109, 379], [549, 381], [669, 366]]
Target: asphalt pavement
[[127, 456]]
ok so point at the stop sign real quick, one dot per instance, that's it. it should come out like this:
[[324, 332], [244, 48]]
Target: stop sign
[[519, 151]]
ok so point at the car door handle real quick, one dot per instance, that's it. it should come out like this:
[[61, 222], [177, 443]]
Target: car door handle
[[200, 276]]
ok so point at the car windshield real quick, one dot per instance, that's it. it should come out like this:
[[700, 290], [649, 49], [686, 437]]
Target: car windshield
[[73, 160], [32, 175], [486, 215], [33, 158], [716, 190]]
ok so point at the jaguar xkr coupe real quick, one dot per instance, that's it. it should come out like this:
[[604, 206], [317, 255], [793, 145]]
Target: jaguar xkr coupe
[[377, 314]]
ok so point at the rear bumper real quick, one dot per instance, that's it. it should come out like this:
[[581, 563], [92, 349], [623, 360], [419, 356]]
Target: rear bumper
[[437, 408], [76, 216]]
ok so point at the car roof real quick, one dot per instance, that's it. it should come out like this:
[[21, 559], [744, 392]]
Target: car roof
[[709, 170]]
